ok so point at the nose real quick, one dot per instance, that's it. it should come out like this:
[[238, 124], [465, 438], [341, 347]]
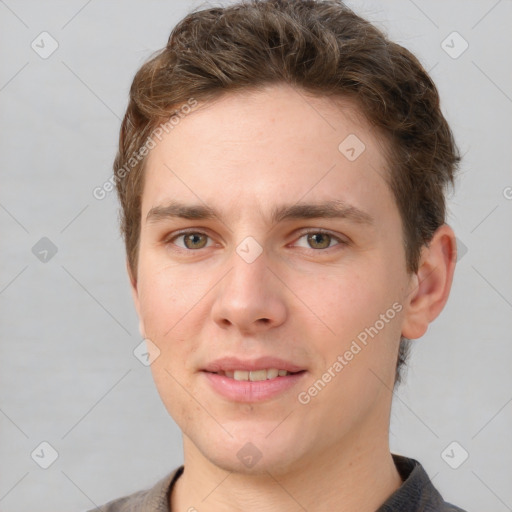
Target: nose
[[251, 296]]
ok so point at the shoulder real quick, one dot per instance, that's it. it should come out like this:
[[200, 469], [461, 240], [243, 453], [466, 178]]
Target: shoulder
[[417, 493], [448, 507], [154, 499]]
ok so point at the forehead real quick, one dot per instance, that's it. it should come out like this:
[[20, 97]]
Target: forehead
[[255, 147]]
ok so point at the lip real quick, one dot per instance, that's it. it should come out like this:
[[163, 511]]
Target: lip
[[261, 363], [249, 391]]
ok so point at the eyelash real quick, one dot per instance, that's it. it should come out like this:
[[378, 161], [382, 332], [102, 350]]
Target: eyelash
[[341, 242]]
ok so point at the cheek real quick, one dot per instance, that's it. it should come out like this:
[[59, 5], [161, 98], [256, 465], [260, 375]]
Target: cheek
[[361, 309], [171, 385], [347, 300], [170, 305], [165, 297]]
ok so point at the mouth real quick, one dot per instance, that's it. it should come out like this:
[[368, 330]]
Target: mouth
[[252, 380], [255, 375]]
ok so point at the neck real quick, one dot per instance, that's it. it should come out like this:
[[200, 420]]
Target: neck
[[361, 476]]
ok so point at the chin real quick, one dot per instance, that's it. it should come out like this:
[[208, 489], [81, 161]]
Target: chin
[[256, 454], [273, 465]]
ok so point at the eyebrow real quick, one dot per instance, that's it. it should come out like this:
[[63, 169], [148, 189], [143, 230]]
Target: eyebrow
[[327, 209]]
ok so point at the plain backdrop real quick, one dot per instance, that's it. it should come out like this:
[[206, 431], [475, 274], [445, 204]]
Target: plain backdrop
[[68, 374]]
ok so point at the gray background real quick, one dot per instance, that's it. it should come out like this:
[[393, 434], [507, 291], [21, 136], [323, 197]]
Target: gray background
[[68, 327]]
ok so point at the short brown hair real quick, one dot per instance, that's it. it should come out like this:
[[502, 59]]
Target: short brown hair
[[321, 47]]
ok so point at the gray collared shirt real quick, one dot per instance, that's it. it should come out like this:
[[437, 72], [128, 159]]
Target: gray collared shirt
[[416, 494]]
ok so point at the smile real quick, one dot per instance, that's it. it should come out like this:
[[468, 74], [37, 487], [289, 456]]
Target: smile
[[255, 375], [253, 386]]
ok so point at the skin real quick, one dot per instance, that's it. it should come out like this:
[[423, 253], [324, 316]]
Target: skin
[[243, 155]]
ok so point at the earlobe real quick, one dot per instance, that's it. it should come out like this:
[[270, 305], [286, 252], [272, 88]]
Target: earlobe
[[430, 286], [135, 296]]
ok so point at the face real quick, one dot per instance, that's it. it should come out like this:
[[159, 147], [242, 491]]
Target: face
[[270, 241]]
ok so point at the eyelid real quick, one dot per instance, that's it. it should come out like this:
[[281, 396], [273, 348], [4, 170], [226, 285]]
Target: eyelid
[[177, 234], [342, 241], [338, 238]]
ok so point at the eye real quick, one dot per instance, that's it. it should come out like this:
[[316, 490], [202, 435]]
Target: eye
[[191, 240], [319, 239], [315, 240]]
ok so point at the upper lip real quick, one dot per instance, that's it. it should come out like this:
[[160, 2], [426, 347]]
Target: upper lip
[[261, 363]]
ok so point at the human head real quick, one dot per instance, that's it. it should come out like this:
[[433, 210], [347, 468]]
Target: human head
[[320, 47]]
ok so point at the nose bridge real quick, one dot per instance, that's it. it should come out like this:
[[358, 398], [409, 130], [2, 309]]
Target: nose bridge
[[249, 294], [248, 278]]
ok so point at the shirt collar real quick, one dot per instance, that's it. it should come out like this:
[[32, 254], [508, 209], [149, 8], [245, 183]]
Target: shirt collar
[[416, 494]]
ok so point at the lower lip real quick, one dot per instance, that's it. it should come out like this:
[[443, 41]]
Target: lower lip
[[249, 391]]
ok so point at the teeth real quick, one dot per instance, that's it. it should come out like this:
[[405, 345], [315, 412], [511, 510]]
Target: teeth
[[272, 373], [241, 375], [256, 375]]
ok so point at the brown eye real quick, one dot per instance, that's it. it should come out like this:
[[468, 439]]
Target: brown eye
[[191, 240], [319, 240], [194, 240]]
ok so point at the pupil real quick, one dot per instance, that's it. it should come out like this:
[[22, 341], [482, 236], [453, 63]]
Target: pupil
[[194, 238], [317, 239]]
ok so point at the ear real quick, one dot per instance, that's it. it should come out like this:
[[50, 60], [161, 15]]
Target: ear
[[431, 284], [135, 296]]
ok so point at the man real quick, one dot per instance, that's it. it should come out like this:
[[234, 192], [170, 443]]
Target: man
[[281, 172]]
